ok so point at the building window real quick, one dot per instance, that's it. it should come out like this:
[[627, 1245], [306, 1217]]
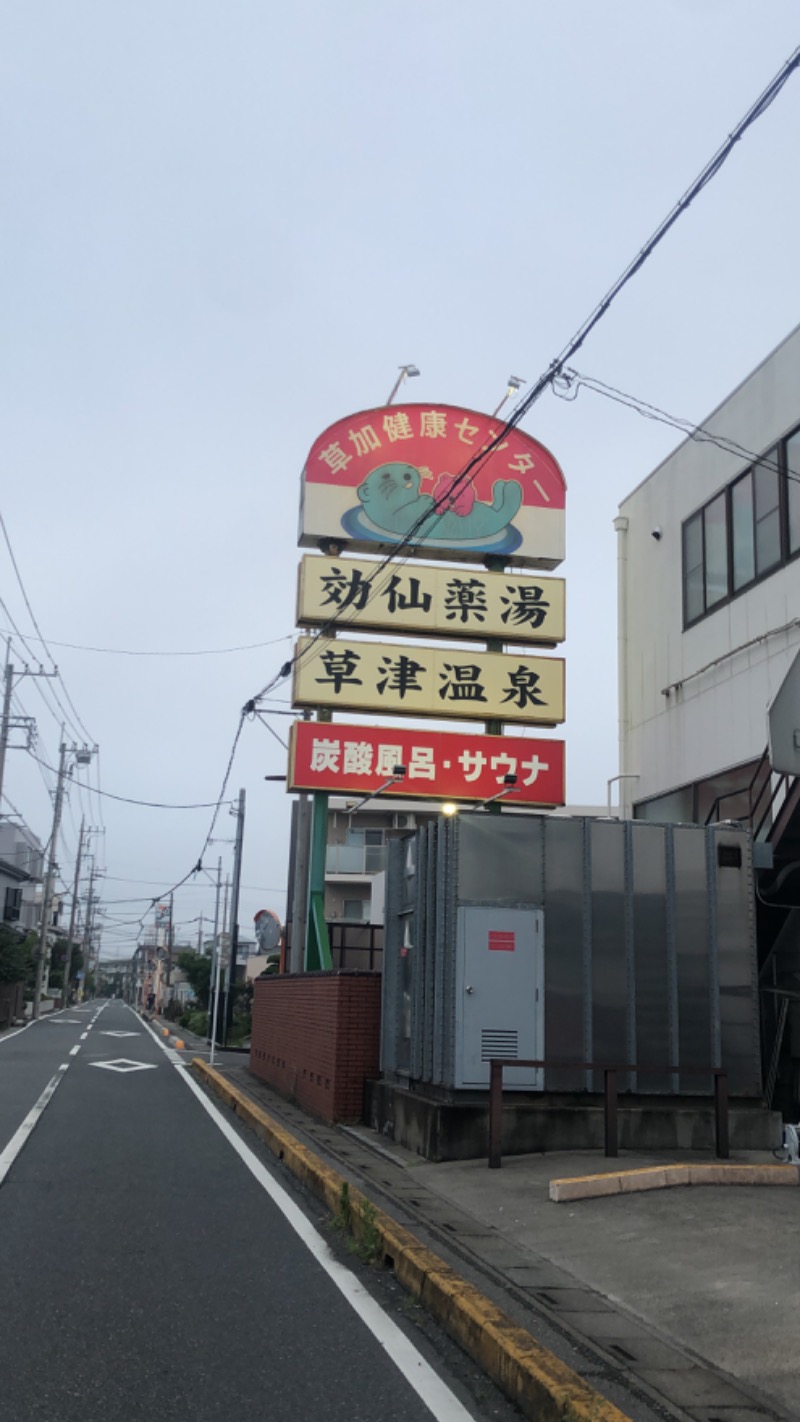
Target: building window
[[767, 514], [744, 560], [793, 490], [744, 533], [716, 551], [694, 604], [12, 906], [355, 910]]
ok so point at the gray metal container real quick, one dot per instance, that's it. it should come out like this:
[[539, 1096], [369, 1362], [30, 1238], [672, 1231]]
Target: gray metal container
[[570, 939]]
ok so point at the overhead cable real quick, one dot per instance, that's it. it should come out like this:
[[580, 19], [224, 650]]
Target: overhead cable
[[556, 366]]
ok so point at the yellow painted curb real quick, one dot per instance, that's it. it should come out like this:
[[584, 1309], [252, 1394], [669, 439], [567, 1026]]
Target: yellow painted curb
[[165, 1031], [662, 1177], [179, 1044], [533, 1377]]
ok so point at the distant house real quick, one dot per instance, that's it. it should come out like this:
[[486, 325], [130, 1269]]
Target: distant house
[[21, 870]]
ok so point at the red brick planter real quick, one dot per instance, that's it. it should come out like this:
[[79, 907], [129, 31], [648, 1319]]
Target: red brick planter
[[316, 1039]]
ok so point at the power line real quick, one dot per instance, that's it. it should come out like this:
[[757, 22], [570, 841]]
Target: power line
[[199, 865], [126, 799], [557, 365], [83, 731], [62, 715], [573, 381], [130, 652]]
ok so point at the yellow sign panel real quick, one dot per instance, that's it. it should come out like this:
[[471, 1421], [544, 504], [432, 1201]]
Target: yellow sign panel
[[450, 602], [408, 680]]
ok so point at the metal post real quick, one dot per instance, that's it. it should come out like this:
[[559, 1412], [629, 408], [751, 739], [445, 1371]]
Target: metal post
[[300, 893], [318, 950], [610, 1112], [495, 1115], [215, 962], [721, 1114], [88, 927], [494, 563], [49, 880], [4, 724], [230, 981], [72, 915], [170, 944], [219, 966]]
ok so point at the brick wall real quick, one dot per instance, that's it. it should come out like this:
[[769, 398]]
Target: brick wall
[[316, 1039]]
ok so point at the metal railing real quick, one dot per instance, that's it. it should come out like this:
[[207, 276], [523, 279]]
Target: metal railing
[[772, 796], [610, 1098], [356, 947], [362, 859]]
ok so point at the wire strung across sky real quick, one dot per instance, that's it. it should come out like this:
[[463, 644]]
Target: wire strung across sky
[[131, 652], [127, 799], [570, 382], [424, 526]]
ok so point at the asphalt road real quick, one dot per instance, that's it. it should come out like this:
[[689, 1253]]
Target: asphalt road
[[152, 1265]]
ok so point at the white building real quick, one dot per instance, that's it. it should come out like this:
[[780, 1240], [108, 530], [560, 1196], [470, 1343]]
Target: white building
[[21, 870], [356, 852], [709, 598], [709, 625]]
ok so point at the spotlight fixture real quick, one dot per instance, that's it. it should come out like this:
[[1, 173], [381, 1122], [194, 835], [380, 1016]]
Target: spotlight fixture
[[407, 372]]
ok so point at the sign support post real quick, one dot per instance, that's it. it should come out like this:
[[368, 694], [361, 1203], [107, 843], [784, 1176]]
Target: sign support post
[[318, 948], [494, 727]]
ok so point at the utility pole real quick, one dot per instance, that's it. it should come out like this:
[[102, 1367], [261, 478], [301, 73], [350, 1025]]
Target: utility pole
[[4, 724], [72, 913], [47, 895], [88, 926], [170, 944], [19, 722], [200, 936], [215, 962], [230, 981], [223, 933]]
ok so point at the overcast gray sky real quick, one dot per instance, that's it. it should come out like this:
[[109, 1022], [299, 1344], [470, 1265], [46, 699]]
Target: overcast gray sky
[[226, 225]]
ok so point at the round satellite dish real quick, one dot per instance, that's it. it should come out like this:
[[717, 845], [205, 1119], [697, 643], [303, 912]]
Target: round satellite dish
[[268, 930]]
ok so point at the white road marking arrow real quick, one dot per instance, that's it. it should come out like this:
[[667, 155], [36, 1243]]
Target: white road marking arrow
[[57, 1021], [123, 1064], [120, 1034]]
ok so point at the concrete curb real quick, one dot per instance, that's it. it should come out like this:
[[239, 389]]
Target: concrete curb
[[663, 1177], [172, 1041], [158, 1027], [538, 1382]]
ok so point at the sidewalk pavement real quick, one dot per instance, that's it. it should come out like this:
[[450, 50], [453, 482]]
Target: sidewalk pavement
[[678, 1302]]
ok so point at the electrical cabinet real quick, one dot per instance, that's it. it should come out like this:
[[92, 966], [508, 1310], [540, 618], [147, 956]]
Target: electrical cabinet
[[499, 999]]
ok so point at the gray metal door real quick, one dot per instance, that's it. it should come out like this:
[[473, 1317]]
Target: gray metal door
[[499, 994]]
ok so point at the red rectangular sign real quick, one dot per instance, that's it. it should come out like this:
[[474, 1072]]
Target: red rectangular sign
[[439, 765], [502, 942]]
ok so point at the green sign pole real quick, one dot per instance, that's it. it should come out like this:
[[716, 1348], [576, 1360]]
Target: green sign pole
[[318, 948]]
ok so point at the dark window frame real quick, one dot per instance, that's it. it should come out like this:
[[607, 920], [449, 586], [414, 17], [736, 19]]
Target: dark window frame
[[785, 555]]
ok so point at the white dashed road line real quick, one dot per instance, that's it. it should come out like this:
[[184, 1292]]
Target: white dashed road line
[[23, 1133]]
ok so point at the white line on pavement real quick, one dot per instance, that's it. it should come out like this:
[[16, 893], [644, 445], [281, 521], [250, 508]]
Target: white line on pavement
[[84, 1035], [23, 1133], [6, 1037], [73, 1051], [175, 1057], [433, 1391]]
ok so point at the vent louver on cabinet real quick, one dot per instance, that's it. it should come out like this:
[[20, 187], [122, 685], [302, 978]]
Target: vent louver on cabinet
[[498, 1043]]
